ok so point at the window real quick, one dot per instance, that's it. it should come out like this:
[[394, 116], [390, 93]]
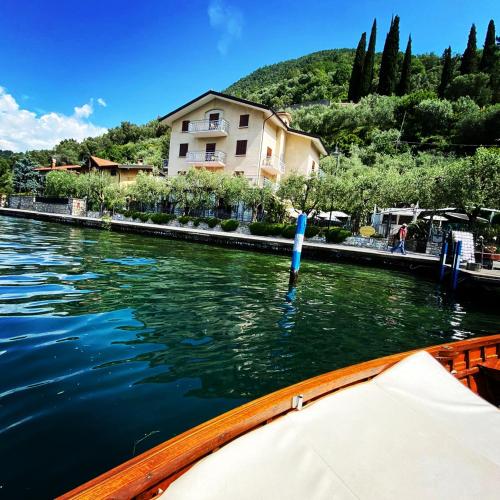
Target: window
[[113, 172], [239, 173], [241, 148], [313, 167], [244, 120], [185, 126], [183, 149], [269, 152]]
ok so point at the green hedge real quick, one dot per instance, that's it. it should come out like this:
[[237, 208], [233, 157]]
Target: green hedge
[[162, 218], [184, 219], [265, 229], [336, 235], [229, 225], [213, 221]]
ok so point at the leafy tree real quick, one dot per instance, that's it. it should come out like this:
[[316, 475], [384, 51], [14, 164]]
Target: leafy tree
[[356, 82], [476, 86], [404, 82], [474, 182], [256, 198], [469, 58], [436, 114], [61, 184], [304, 193], [6, 185], [446, 73], [368, 67], [490, 50], [68, 152], [115, 197], [389, 63], [93, 187], [26, 178], [149, 190]]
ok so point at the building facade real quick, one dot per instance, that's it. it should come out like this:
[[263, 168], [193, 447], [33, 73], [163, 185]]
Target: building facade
[[232, 135], [123, 174]]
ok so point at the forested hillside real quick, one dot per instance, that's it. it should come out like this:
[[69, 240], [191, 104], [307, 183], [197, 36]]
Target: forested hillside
[[321, 75]]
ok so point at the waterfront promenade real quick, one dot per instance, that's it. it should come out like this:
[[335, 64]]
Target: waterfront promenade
[[312, 250], [416, 263]]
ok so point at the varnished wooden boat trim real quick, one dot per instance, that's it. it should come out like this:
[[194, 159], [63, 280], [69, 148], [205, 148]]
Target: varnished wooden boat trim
[[143, 476]]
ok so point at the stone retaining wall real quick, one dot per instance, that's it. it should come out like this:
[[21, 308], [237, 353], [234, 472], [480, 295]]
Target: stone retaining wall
[[73, 206], [360, 241]]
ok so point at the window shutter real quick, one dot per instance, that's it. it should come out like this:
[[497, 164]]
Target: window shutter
[[244, 120], [183, 149], [241, 148], [185, 126]]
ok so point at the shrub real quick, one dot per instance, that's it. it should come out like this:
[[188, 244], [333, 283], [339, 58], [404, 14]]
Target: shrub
[[162, 218], [311, 231], [196, 221], [377, 236], [288, 231], [264, 229], [336, 235], [184, 219], [229, 225], [213, 221], [143, 217]]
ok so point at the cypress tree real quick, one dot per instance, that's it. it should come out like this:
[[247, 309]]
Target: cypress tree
[[469, 58], [446, 73], [489, 50], [357, 71], [404, 82], [367, 78], [389, 63]]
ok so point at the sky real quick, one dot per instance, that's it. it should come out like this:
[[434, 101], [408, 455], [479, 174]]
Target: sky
[[73, 68]]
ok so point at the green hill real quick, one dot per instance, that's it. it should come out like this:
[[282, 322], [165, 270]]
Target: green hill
[[321, 75]]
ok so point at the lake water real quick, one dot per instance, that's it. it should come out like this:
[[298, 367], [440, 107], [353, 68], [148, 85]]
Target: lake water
[[106, 338]]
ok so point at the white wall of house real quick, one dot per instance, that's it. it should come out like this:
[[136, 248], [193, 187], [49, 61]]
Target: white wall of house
[[298, 152]]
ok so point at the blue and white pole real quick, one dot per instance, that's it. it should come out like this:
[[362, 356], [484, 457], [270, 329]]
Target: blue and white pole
[[442, 260], [456, 265], [297, 248]]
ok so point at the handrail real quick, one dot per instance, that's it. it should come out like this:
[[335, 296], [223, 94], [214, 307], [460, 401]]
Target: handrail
[[274, 162], [206, 156], [161, 465], [220, 125]]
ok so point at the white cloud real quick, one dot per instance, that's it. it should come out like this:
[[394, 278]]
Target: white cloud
[[22, 129], [101, 102], [226, 19], [84, 111]]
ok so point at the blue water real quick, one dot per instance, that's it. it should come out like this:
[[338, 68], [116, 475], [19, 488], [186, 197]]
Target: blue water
[[106, 338]]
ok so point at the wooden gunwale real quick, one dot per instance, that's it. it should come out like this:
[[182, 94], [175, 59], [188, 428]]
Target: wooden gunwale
[[157, 468]]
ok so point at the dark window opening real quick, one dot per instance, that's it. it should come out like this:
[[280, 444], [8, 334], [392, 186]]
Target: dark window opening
[[244, 120], [241, 148], [183, 149], [185, 126]]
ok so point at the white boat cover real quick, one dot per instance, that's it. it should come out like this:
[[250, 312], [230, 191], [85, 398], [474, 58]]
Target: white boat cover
[[413, 432]]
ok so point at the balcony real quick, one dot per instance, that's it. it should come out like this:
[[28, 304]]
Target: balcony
[[212, 159], [273, 165], [209, 128]]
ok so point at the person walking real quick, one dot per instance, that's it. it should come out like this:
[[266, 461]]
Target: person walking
[[401, 236]]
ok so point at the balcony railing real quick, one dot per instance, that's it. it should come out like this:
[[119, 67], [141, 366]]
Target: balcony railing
[[274, 163], [208, 126], [206, 157]]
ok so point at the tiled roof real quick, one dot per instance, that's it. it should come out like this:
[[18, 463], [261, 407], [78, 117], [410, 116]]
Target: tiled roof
[[101, 162], [60, 167]]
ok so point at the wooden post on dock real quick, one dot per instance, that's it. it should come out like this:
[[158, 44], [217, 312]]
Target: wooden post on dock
[[297, 248]]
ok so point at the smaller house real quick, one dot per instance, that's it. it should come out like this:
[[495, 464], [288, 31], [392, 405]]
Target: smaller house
[[124, 174]]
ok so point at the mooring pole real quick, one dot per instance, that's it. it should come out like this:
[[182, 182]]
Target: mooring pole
[[442, 260], [297, 248], [456, 264]]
